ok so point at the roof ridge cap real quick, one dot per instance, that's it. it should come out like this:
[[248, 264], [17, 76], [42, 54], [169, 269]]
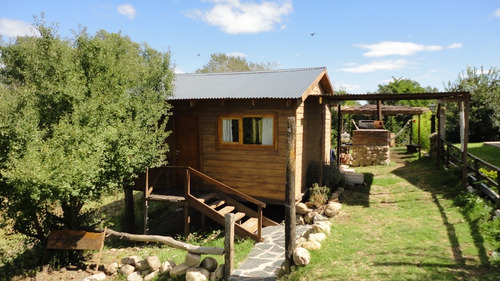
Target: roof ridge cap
[[253, 71]]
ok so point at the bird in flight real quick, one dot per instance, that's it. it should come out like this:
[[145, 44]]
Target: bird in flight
[[312, 34]]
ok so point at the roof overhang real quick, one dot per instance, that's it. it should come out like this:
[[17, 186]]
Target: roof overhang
[[441, 97]]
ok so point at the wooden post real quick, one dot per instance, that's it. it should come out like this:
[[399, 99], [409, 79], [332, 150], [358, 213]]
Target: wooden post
[[290, 196], [187, 193], [146, 206], [228, 245], [129, 210], [339, 128], [438, 139], [464, 108], [419, 144], [379, 110]]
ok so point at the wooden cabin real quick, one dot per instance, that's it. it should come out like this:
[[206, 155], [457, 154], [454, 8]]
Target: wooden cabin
[[233, 127]]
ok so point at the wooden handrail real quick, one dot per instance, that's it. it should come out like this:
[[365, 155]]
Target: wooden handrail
[[223, 187]]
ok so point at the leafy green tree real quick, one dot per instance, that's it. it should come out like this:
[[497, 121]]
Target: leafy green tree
[[484, 115], [78, 118], [223, 63], [396, 123]]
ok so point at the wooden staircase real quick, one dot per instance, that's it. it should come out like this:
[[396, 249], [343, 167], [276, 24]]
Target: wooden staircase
[[215, 204]]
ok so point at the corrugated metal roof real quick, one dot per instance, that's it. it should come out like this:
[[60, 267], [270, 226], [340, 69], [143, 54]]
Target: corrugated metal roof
[[286, 83]]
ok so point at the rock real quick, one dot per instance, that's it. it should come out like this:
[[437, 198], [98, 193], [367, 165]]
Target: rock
[[142, 265], [151, 275], [212, 276], [309, 217], [317, 237], [300, 241], [166, 267], [209, 264], [111, 269], [154, 262], [132, 260], [319, 217], [299, 220], [134, 276], [321, 210], [219, 272], [301, 209], [127, 269], [63, 270], [301, 256], [145, 272], [97, 276], [332, 209], [497, 213], [321, 227], [179, 270], [197, 274], [311, 245], [192, 260]]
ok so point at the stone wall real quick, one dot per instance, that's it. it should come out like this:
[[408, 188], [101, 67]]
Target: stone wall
[[370, 147]]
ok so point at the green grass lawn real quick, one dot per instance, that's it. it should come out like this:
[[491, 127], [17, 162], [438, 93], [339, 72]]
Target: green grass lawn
[[403, 225], [488, 153]]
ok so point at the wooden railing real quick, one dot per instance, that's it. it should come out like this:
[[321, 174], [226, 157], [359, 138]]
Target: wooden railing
[[451, 156], [222, 189]]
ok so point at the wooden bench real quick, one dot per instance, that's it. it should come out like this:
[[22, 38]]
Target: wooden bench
[[76, 240]]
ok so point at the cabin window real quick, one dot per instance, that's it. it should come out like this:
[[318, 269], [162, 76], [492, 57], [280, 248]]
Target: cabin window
[[257, 131]]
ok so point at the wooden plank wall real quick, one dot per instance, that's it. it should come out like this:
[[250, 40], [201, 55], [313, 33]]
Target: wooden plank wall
[[258, 173], [313, 137]]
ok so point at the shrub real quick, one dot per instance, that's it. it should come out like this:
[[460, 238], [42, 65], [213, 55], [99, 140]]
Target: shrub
[[318, 195]]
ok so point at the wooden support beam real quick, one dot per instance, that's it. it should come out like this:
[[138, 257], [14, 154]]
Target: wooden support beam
[[339, 130], [379, 110], [228, 245], [129, 210], [438, 140], [253, 102], [288, 103], [290, 196], [223, 103], [419, 143], [464, 132]]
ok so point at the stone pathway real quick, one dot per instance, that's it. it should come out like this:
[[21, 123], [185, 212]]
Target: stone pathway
[[267, 258]]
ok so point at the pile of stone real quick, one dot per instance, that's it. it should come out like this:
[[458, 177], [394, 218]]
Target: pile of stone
[[309, 214], [137, 269], [319, 217]]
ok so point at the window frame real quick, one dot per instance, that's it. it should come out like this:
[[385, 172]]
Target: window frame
[[240, 144]]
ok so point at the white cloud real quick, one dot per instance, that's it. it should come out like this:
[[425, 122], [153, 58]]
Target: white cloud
[[235, 16], [347, 87], [127, 10], [377, 65], [178, 71], [388, 48], [13, 28], [236, 55], [455, 46], [496, 13]]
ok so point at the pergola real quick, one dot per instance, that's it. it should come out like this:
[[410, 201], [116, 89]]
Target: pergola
[[462, 98], [380, 110]]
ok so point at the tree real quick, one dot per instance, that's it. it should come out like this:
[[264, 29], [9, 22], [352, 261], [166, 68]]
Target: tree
[[395, 123], [484, 114], [79, 119], [223, 63]]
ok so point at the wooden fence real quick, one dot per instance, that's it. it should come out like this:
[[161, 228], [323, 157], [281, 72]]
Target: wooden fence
[[451, 156]]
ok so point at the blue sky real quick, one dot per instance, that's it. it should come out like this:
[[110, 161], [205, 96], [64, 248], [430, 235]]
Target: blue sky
[[362, 43]]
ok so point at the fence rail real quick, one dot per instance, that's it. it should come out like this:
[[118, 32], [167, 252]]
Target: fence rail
[[451, 156]]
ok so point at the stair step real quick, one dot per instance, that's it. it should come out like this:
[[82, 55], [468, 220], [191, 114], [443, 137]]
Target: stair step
[[207, 197], [216, 204], [226, 210], [238, 216], [251, 225]]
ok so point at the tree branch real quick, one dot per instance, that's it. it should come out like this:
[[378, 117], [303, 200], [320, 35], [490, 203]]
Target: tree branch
[[167, 240]]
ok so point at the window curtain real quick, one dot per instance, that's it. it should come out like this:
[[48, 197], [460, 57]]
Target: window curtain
[[227, 130], [267, 131]]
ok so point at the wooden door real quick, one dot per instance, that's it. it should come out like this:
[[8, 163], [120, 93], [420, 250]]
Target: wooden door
[[187, 143]]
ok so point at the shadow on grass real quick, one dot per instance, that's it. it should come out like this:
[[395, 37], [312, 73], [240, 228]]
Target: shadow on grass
[[441, 183], [359, 195]]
